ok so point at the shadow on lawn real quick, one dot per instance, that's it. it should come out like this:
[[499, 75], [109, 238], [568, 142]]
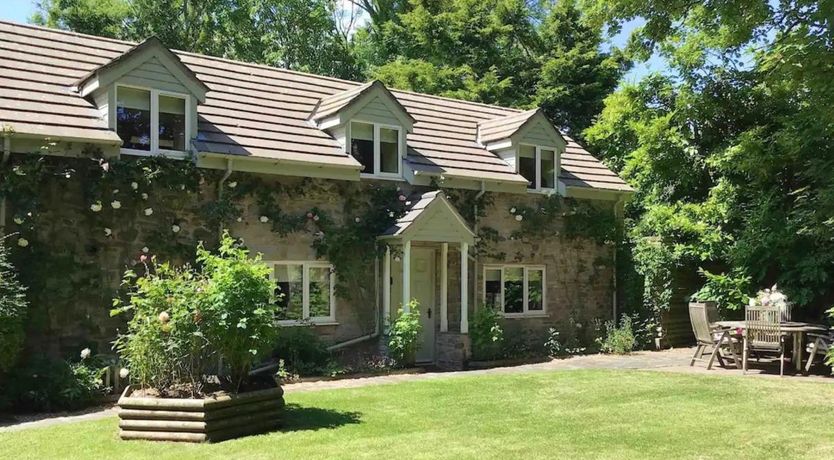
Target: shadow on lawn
[[298, 418]]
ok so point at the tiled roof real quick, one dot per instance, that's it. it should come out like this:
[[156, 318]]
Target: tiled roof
[[252, 110], [502, 128]]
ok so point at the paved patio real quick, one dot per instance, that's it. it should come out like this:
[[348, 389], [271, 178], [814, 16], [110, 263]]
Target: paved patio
[[675, 360]]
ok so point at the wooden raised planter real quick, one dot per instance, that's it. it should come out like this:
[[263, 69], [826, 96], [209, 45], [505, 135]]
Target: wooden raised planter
[[200, 420]]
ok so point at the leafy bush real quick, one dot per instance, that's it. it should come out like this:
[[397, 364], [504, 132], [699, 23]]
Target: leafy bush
[[302, 351], [403, 336], [13, 307], [44, 384], [619, 340], [728, 291], [486, 334], [552, 344], [239, 318], [183, 317]]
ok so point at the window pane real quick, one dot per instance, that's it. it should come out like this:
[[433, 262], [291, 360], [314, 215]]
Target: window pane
[[320, 292], [362, 145], [290, 293], [133, 118], [513, 290], [492, 287], [535, 289], [389, 152], [527, 163], [171, 123], [548, 169]]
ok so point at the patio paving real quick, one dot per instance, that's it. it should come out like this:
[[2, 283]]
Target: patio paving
[[674, 360]]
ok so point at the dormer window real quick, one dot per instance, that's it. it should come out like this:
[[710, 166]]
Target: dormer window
[[150, 121], [538, 165], [376, 147]]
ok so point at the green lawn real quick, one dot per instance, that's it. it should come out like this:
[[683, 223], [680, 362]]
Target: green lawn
[[567, 414]]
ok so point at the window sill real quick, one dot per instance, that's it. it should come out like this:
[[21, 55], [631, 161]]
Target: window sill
[[295, 323], [542, 191], [172, 154], [391, 177], [525, 315]]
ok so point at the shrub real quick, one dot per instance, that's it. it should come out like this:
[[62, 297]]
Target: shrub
[[486, 334], [403, 335], [44, 384], [302, 351], [239, 318], [619, 340], [552, 344], [13, 307]]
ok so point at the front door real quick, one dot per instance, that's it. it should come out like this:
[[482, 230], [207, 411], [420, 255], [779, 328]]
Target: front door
[[422, 289]]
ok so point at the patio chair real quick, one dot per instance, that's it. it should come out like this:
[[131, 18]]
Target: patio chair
[[820, 346], [763, 333], [706, 336]]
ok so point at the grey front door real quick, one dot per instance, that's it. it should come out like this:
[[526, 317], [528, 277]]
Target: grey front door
[[422, 289]]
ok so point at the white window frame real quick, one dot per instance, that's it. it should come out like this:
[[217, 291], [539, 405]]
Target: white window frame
[[305, 303], [525, 304], [538, 159], [377, 173], [155, 150]]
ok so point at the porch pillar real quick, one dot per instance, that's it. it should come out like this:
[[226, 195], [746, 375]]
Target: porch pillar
[[444, 288], [464, 287], [386, 288], [406, 275]]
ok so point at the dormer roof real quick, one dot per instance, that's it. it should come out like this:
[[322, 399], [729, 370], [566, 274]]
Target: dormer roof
[[338, 108], [151, 48], [511, 128]]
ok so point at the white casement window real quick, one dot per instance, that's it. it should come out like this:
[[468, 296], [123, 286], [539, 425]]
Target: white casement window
[[538, 165], [152, 122], [377, 147], [515, 290], [304, 292]]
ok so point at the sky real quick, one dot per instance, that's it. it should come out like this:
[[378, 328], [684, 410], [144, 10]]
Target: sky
[[21, 10]]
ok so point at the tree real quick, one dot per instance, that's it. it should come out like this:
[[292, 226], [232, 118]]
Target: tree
[[105, 18]]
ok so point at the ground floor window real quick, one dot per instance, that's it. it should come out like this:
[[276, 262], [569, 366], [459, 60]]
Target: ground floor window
[[515, 289], [304, 291]]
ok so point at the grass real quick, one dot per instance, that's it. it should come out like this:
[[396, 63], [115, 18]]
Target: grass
[[567, 414]]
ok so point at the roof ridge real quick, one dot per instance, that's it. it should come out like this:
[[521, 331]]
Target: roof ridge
[[444, 98], [67, 32]]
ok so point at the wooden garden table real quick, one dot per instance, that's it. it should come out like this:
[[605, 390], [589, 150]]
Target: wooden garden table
[[796, 329]]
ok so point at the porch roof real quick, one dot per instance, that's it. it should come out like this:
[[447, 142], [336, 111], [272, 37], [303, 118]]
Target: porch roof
[[430, 217]]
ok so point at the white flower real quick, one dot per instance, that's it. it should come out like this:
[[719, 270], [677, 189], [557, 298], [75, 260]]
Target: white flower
[[316, 218], [402, 198], [148, 211], [512, 210], [391, 214], [240, 219], [519, 217], [175, 228], [232, 184], [357, 220], [22, 242], [116, 204], [145, 250], [144, 196], [182, 187], [116, 192], [123, 373], [95, 207], [18, 220], [107, 231], [85, 353], [264, 219], [164, 317], [134, 185], [408, 203]]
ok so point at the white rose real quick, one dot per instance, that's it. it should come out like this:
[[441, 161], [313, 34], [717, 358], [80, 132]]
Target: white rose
[[357, 220], [116, 192], [240, 219], [134, 185], [264, 219], [18, 220], [145, 249], [519, 217], [123, 373], [512, 210], [116, 204], [232, 184], [95, 207], [391, 214], [175, 228], [316, 218], [85, 353], [144, 196], [107, 231], [148, 211], [22, 242]]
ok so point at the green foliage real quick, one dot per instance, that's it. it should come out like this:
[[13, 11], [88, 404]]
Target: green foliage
[[302, 351], [619, 340], [46, 385], [486, 334], [13, 309], [728, 291], [403, 335], [239, 318]]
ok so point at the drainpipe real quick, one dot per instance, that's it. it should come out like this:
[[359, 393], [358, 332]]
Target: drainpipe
[[7, 151], [220, 191], [617, 205], [377, 316], [475, 259]]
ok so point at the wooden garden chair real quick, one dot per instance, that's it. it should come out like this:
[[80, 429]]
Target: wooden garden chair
[[820, 346], [709, 339], [763, 333]]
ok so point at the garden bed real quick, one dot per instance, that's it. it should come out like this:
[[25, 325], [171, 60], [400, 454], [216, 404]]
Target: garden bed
[[209, 419]]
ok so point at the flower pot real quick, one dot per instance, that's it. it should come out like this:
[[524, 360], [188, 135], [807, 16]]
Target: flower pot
[[209, 419]]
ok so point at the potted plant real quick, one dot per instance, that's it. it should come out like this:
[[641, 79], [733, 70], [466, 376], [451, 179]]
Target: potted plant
[[191, 341]]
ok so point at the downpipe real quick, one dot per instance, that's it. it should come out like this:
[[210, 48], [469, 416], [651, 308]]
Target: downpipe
[[7, 152], [377, 315]]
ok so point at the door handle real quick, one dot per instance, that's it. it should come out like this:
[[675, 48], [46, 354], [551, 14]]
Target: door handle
[[429, 312]]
